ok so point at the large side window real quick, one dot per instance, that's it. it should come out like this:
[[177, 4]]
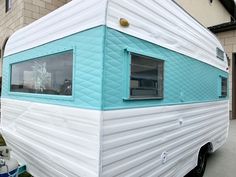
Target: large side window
[[224, 87], [146, 80], [50, 74]]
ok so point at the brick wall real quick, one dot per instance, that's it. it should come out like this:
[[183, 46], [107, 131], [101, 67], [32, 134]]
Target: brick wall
[[12, 20], [35, 9], [22, 13]]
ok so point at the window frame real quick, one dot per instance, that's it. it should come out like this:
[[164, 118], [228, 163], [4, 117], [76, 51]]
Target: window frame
[[127, 74], [8, 5], [47, 96], [220, 87]]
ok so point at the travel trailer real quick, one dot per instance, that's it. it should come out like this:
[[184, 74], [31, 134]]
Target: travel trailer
[[106, 88]]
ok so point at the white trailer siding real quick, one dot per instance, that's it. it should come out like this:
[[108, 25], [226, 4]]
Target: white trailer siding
[[95, 132], [162, 23], [134, 139], [52, 140]]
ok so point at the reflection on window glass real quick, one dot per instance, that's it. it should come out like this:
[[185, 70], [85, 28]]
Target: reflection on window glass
[[44, 75], [146, 77], [223, 87]]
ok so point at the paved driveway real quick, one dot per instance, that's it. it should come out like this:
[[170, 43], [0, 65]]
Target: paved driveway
[[222, 163]]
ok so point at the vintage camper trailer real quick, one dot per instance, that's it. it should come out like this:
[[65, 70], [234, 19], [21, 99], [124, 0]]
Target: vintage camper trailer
[[105, 88]]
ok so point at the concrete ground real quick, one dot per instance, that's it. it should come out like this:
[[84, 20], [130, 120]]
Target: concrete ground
[[222, 163]]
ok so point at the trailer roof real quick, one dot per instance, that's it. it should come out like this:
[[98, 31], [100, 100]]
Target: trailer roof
[[159, 22]]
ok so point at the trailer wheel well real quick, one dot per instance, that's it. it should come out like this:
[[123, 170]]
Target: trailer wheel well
[[208, 147], [199, 170]]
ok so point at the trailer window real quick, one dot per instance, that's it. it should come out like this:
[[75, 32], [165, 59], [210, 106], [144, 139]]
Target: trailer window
[[50, 74], [223, 87], [146, 79], [220, 53]]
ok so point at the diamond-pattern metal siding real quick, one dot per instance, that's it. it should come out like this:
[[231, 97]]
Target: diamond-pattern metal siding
[[87, 80], [186, 80]]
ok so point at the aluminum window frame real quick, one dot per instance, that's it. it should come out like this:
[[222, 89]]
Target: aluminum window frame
[[128, 52], [223, 87], [42, 95]]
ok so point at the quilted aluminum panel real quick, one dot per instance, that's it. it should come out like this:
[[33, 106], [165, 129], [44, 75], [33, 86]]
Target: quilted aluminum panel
[[87, 49], [186, 80]]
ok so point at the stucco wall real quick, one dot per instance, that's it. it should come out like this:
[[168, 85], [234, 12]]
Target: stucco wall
[[209, 14]]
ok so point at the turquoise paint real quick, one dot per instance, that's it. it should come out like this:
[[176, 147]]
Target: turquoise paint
[[186, 80], [87, 69], [47, 96], [102, 67], [21, 169], [103, 60]]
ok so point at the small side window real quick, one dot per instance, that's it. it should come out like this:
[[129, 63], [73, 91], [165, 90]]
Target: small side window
[[220, 53], [224, 87], [50, 74], [146, 77]]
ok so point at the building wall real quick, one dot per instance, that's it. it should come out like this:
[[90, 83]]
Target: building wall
[[209, 14], [10, 21], [228, 40], [23, 12], [35, 9]]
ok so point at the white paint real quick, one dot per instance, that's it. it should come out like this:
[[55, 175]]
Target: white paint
[[52, 140], [62, 141], [158, 141], [75, 16], [149, 142], [162, 23], [166, 24]]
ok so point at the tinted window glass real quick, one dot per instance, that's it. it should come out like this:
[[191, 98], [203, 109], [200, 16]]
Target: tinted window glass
[[220, 53], [146, 77], [223, 87], [45, 75]]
